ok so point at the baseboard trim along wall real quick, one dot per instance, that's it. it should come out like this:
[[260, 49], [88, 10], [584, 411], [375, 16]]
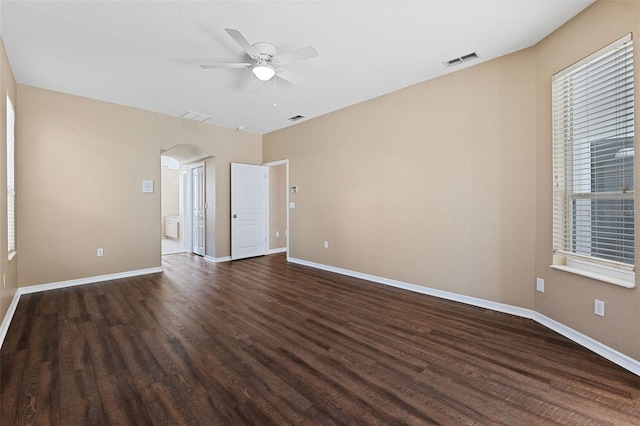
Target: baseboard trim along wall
[[601, 349], [88, 280], [63, 284], [228, 258], [277, 250], [8, 317], [218, 259]]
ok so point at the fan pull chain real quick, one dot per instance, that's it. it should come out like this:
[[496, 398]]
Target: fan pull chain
[[275, 91]]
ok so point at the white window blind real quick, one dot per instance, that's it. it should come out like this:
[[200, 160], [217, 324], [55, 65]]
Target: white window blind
[[593, 160], [11, 193]]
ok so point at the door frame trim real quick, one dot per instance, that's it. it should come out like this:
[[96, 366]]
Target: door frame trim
[[287, 234], [192, 166]]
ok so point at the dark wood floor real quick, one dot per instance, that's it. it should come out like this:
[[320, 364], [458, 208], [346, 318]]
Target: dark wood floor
[[262, 342]]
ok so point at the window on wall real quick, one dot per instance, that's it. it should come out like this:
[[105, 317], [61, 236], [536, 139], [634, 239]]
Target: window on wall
[[593, 166], [11, 192]]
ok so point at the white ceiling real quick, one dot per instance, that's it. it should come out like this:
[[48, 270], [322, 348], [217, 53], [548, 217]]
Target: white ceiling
[[146, 54]]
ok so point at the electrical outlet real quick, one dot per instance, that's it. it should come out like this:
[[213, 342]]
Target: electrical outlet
[[277, 234], [326, 244], [598, 307], [540, 285], [100, 252]]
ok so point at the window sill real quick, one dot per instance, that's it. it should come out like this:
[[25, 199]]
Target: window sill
[[12, 254], [596, 276]]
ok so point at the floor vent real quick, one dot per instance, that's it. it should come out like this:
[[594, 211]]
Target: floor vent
[[196, 116], [296, 117], [461, 60]]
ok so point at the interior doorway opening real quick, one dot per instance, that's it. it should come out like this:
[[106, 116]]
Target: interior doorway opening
[[188, 215], [278, 207], [171, 206]]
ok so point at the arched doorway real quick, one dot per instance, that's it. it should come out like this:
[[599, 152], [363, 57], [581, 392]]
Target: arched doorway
[[187, 200]]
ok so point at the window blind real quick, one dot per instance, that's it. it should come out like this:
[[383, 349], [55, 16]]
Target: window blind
[[11, 233], [593, 159]]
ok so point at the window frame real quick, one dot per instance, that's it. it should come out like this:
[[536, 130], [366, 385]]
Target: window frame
[[567, 221], [11, 190]]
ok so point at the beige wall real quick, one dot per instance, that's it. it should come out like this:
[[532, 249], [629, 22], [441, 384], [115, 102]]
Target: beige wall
[[568, 298], [277, 206], [7, 269], [80, 167], [170, 204], [432, 185], [447, 184]]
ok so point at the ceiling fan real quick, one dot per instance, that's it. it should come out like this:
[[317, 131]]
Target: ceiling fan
[[267, 60]]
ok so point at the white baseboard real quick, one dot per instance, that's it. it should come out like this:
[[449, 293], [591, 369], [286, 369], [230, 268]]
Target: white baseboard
[[62, 284], [218, 259], [228, 258], [601, 349], [483, 303], [88, 280], [9, 316], [277, 250], [605, 351]]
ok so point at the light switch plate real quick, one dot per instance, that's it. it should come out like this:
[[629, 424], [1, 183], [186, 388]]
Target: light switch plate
[[598, 307], [147, 186]]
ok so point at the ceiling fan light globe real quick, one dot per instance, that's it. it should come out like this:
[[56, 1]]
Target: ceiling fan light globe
[[263, 72]]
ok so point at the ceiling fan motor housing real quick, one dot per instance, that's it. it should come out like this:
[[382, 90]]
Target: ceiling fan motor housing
[[267, 51]]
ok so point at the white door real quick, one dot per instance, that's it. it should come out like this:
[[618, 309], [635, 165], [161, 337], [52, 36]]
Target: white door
[[198, 208], [248, 210]]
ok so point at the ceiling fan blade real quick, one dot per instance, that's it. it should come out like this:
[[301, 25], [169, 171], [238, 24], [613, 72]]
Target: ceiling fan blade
[[224, 65], [243, 42], [297, 55], [293, 78]]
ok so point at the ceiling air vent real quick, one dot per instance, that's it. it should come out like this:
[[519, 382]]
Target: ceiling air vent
[[296, 117], [461, 60], [196, 116]]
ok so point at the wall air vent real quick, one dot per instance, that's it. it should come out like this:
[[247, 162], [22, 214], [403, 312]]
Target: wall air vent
[[296, 117], [461, 59], [196, 116]]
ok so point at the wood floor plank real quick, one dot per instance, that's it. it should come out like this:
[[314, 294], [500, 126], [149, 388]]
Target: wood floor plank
[[80, 400], [202, 393], [122, 401], [22, 324], [11, 376], [265, 342]]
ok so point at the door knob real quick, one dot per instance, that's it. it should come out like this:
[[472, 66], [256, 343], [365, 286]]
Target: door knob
[[235, 216]]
